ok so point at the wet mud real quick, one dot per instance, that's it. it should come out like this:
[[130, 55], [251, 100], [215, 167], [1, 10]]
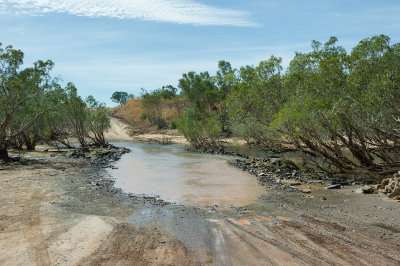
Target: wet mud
[[67, 211]]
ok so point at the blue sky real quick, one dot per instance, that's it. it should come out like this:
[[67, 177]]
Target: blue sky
[[108, 45]]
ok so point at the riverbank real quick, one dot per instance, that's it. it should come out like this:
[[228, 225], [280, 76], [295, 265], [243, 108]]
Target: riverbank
[[66, 211]]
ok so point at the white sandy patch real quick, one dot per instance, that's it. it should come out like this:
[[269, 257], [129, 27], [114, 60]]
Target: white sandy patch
[[79, 242], [118, 130]]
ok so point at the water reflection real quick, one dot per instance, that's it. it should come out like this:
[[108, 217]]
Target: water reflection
[[184, 177]]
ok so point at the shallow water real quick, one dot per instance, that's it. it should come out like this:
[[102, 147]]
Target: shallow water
[[189, 178]]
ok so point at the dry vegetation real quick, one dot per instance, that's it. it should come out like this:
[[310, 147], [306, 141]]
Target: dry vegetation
[[133, 112]]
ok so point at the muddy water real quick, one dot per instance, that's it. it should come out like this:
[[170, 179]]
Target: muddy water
[[176, 175]]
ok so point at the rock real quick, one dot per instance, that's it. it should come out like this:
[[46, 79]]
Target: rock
[[396, 198], [309, 197], [395, 193], [291, 163], [290, 182], [337, 186], [276, 161], [306, 191], [368, 189], [359, 190], [390, 186]]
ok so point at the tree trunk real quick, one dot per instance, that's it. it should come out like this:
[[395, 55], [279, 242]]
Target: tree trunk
[[3, 153], [30, 143]]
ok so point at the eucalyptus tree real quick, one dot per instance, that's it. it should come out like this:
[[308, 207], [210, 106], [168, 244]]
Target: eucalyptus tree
[[200, 121], [49, 126], [345, 106], [77, 115], [255, 101], [121, 97], [199, 91], [225, 79], [20, 93], [98, 120]]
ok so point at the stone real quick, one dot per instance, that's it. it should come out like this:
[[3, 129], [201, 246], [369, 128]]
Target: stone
[[306, 191], [385, 182], [395, 193], [368, 189], [359, 190], [276, 161], [396, 198], [290, 182], [337, 186]]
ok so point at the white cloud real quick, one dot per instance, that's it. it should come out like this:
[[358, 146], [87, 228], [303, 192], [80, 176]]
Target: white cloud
[[174, 11]]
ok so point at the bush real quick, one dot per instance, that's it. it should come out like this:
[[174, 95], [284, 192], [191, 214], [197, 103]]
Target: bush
[[202, 133], [172, 125]]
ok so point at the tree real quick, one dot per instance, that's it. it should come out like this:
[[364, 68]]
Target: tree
[[20, 91], [225, 80], [344, 107], [98, 120], [201, 132], [77, 114], [121, 97], [255, 100], [200, 91], [47, 125]]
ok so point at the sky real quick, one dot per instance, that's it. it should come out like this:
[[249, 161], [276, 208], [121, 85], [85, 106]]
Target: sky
[[104, 46]]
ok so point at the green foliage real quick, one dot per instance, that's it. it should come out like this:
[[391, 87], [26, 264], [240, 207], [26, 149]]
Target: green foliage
[[200, 91], [201, 132], [98, 120], [22, 95], [173, 125], [254, 101], [341, 107], [121, 97], [77, 114], [344, 106]]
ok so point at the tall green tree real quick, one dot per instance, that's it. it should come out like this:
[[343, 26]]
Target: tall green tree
[[255, 101], [20, 90], [98, 120], [77, 115]]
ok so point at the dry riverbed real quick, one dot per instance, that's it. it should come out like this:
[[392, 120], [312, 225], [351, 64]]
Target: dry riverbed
[[65, 211]]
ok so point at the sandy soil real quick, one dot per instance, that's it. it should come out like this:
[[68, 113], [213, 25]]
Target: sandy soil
[[118, 131], [61, 211]]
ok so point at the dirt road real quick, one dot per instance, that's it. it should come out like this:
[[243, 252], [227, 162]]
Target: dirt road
[[61, 211]]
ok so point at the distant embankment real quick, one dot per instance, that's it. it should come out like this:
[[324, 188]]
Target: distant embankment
[[118, 131]]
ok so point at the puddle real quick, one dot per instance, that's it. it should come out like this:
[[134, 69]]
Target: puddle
[[184, 177]]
